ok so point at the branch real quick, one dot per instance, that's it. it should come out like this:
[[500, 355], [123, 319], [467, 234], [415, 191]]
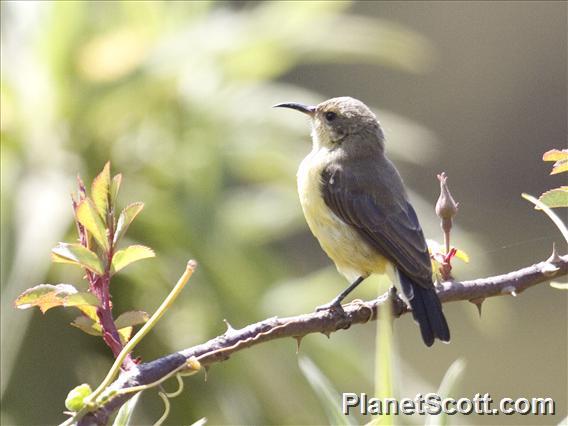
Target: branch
[[358, 312]]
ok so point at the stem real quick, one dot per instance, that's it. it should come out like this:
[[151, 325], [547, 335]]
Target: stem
[[190, 268]]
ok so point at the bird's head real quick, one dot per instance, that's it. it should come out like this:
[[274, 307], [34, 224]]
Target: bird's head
[[341, 121]]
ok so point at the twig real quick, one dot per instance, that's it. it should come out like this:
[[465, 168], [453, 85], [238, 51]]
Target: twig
[[358, 312]]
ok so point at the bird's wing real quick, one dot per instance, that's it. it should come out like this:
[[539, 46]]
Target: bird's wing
[[383, 217]]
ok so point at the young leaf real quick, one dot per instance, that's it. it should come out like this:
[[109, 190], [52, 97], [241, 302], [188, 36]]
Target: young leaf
[[125, 219], [87, 325], [561, 158], [131, 318], [78, 255], [129, 255], [82, 299], [45, 296], [100, 191], [76, 398], [125, 334], [114, 187], [88, 216], [557, 197]]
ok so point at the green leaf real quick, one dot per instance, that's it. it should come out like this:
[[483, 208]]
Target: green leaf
[[87, 325], [125, 413], [100, 191], [328, 396], [561, 158], [557, 197], [76, 398], [125, 334], [47, 296], [78, 255], [114, 187], [125, 219], [123, 258], [131, 318], [88, 216]]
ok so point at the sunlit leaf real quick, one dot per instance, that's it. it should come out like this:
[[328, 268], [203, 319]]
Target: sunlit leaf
[[131, 318], [90, 311], [87, 325], [114, 187], [88, 216], [560, 158], [100, 191], [559, 286], [557, 197], [78, 255], [462, 255], [125, 334], [125, 219], [47, 296], [129, 255], [76, 398]]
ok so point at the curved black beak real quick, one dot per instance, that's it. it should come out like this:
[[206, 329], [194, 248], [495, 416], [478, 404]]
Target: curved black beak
[[310, 110]]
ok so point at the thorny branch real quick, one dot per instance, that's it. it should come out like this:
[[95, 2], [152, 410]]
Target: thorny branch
[[358, 312]]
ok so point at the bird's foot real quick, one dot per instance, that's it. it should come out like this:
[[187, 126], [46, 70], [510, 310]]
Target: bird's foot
[[333, 306]]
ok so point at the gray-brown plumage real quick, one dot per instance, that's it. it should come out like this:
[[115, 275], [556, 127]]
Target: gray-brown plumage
[[356, 205]]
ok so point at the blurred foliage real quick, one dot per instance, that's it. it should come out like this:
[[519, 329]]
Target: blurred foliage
[[177, 95]]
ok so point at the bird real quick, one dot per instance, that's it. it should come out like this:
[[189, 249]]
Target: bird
[[356, 205]]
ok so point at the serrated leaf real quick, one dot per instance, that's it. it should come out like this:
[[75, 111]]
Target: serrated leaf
[[123, 258], [125, 219], [555, 155], [557, 197], [100, 191], [114, 187], [561, 158], [76, 398], [131, 318], [78, 255], [45, 296], [87, 325], [82, 299], [88, 216]]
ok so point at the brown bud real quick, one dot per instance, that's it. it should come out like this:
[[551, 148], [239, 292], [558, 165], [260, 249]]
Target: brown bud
[[446, 207]]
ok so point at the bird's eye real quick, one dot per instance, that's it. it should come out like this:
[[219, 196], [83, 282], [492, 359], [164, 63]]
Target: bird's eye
[[330, 116]]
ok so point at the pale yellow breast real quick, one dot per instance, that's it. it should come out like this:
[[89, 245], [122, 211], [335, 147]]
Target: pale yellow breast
[[351, 255]]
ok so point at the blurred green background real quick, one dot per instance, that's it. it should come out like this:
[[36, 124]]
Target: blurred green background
[[178, 95]]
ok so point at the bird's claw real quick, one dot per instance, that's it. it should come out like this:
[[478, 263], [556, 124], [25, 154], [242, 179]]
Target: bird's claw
[[333, 306]]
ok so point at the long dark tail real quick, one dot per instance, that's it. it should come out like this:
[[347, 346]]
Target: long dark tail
[[426, 310]]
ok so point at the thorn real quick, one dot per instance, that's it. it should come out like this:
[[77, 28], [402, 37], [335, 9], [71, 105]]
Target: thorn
[[478, 304], [230, 328], [554, 257], [510, 289], [298, 342], [206, 373], [326, 333]]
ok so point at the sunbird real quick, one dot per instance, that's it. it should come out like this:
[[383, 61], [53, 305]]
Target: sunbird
[[356, 206]]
